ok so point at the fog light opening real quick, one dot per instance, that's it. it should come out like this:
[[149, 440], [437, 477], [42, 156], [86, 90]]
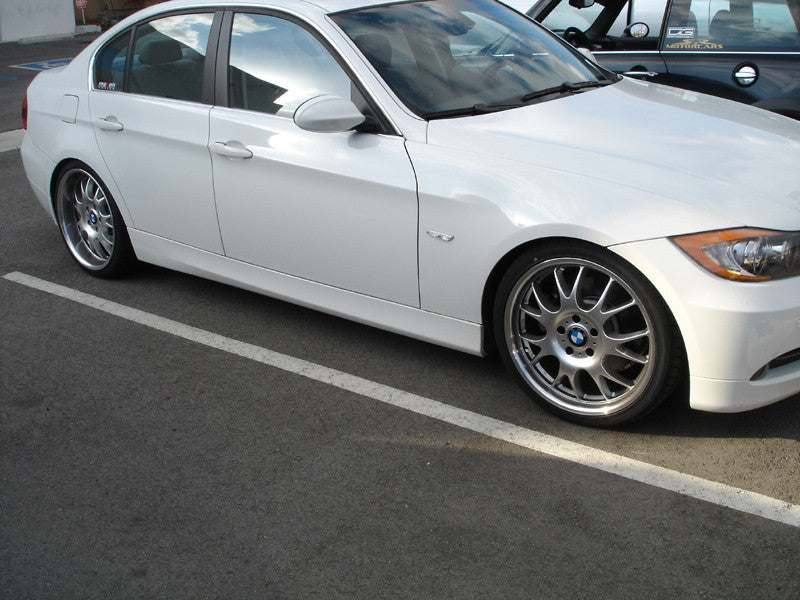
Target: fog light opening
[[785, 359]]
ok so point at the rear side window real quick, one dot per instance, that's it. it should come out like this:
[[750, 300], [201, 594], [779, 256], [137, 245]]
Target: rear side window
[[733, 25], [109, 66], [169, 55]]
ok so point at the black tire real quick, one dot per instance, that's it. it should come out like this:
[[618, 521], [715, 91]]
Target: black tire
[[91, 224], [586, 335]]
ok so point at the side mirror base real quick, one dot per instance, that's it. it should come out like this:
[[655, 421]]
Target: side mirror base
[[328, 114]]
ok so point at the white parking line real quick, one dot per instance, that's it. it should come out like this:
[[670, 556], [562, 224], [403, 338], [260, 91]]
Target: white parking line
[[11, 140], [660, 477]]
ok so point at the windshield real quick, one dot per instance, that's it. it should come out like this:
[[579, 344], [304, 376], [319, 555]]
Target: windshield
[[445, 58]]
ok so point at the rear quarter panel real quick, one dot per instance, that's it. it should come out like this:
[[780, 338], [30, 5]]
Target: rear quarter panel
[[60, 128]]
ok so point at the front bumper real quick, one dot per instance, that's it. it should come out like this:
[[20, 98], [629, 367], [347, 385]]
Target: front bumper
[[732, 331]]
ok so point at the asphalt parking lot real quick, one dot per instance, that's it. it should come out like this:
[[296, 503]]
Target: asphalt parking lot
[[159, 437]]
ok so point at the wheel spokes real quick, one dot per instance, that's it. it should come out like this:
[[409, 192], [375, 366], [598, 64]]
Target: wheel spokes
[[95, 246], [538, 295], [583, 338], [561, 286], [86, 219], [105, 236]]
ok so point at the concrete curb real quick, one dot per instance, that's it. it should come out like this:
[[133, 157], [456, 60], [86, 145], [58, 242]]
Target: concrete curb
[[83, 29], [58, 37]]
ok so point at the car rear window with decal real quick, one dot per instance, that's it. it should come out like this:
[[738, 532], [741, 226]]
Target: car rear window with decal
[[109, 66]]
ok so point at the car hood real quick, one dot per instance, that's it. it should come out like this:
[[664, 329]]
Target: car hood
[[724, 157]]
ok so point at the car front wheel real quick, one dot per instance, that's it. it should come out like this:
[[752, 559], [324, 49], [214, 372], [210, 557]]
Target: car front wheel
[[91, 224], [586, 335]]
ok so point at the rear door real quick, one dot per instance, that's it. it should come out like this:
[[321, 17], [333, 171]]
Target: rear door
[[744, 50], [152, 125]]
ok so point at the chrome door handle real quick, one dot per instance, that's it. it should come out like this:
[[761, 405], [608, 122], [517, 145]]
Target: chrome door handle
[[230, 149], [109, 123], [640, 73]]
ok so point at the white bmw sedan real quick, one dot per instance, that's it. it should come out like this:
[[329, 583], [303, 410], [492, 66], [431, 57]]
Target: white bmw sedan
[[446, 169]]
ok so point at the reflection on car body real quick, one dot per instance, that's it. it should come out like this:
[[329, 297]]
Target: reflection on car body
[[446, 169]]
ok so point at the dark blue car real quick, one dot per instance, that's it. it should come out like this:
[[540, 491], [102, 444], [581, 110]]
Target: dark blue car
[[744, 50]]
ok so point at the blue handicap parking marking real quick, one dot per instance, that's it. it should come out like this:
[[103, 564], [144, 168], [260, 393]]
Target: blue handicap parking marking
[[43, 65], [7, 78]]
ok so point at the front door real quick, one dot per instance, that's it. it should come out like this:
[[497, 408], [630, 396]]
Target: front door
[[334, 208]]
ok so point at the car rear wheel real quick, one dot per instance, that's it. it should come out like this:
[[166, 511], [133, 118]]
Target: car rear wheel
[[586, 335], [91, 224]]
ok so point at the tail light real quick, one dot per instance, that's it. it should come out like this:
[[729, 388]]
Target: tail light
[[25, 112]]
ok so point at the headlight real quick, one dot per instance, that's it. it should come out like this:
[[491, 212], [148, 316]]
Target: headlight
[[745, 254]]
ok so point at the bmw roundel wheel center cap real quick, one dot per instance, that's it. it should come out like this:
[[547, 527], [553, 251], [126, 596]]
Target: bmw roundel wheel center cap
[[578, 336]]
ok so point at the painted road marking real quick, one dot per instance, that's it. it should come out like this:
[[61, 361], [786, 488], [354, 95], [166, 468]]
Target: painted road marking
[[11, 140], [43, 65], [7, 78], [660, 477]]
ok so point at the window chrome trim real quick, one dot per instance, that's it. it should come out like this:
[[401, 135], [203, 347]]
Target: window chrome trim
[[625, 52], [748, 52], [223, 15], [214, 11], [702, 52]]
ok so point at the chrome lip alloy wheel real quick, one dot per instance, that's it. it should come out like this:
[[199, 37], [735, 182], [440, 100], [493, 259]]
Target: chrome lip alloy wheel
[[85, 219], [580, 336]]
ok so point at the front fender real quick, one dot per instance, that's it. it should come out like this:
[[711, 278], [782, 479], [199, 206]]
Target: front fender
[[491, 207]]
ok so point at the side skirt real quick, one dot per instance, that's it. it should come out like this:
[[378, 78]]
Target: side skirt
[[383, 314]]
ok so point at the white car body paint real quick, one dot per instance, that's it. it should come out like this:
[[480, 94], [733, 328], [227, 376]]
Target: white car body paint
[[357, 195], [170, 138], [622, 167]]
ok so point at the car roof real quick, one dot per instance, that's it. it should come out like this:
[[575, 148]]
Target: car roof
[[330, 6]]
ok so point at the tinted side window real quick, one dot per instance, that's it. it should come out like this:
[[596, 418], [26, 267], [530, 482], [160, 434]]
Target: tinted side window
[[109, 66], [168, 57], [723, 25], [276, 65]]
